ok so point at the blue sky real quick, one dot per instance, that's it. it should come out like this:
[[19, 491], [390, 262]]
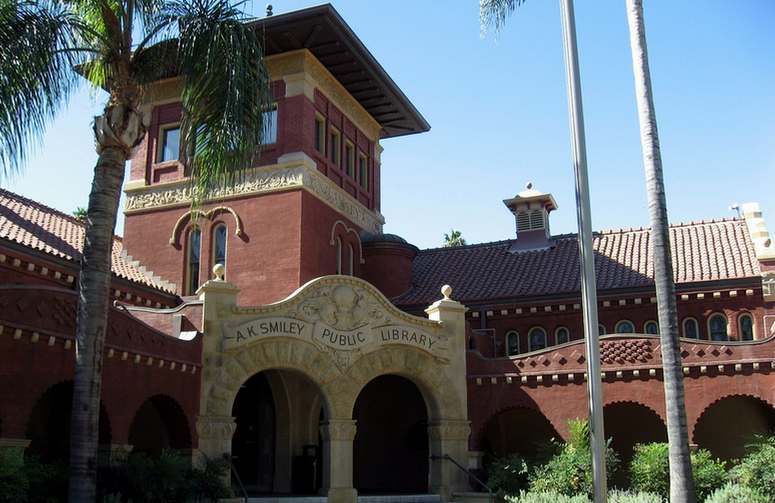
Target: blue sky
[[497, 107]]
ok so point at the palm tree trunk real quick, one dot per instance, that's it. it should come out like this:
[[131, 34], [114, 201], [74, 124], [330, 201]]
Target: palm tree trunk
[[93, 305], [681, 483]]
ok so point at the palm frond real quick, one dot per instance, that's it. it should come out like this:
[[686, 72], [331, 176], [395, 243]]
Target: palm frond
[[494, 12], [40, 42], [225, 91]]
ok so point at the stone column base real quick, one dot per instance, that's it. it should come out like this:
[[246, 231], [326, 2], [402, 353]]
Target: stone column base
[[342, 495]]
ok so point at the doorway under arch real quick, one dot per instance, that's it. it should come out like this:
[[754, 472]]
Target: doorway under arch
[[276, 447], [520, 430], [729, 424], [391, 449], [159, 424], [628, 424]]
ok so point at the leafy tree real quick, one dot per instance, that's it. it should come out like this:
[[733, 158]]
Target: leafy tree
[[755, 469], [80, 213], [45, 46], [650, 470], [454, 238]]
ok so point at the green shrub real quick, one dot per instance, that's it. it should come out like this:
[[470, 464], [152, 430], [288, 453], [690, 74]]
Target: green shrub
[[755, 470], [632, 497], [736, 493], [546, 497], [650, 470], [13, 479], [569, 471], [508, 475]]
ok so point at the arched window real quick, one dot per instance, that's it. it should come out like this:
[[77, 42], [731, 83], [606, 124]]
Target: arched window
[[624, 327], [717, 327], [192, 263], [745, 327], [338, 255], [691, 328], [536, 339], [601, 329], [512, 343], [651, 327], [219, 244], [562, 335], [351, 260]]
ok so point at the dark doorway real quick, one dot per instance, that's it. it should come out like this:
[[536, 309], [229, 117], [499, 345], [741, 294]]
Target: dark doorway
[[520, 430], [727, 426], [253, 444], [626, 425], [159, 424], [391, 444]]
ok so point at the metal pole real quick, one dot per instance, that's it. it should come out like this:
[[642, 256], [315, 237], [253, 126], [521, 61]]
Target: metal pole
[[588, 287]]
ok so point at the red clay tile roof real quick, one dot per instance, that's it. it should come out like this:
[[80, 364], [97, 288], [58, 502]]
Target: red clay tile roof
[[45, 229], [702, 251]]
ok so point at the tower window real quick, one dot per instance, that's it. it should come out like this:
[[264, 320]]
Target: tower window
[[192, 264], [349, 159], [562, 335], [512, 343], [219, 245], [334, 145], [746, 327], [624, 327], [270, 125], [691, 328], [169, 146], [717, 327], [536, 339], [363, 171], [320, 134]]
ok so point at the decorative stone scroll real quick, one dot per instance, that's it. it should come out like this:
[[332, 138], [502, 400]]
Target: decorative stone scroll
[[345, 317]]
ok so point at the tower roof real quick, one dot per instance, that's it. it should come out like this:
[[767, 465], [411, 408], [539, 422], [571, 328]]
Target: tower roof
[[530, 195]]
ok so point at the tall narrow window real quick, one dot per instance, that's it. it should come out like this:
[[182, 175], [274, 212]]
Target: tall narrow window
[[270, 125], [349, 159], [169, 146], [691, 328], [334, 146], [536, 339], [746, 327], [320, 134], [651, 327], [363, 171], [194, 254], [350, 260], [562, 335], [624, 327], [219, 245], [717, 327], [512, 343], [338, 255]]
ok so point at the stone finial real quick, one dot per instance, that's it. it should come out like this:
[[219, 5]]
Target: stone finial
[[446, 291], [218, 271]]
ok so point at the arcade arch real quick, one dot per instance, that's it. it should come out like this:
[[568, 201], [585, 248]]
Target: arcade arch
[[519, 430], [159, 424], [628, 424], [727, 425]]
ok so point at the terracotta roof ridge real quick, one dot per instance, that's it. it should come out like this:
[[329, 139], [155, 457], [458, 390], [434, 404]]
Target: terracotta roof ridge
[[690, 223], [468, 246]]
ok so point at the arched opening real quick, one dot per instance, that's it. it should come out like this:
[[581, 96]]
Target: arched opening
[[628, 424], [717, 327], [624, 327], [536, 339], [745, 327], [391, 444], [520, 431], [728, 425], [276, 447], [691, 328], [512, 343], [49, 425], [159, 424]]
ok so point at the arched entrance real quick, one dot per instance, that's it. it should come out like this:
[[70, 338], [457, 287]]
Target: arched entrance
[[729, 424], [628, 424], [276, 447], [49, 425], [517, 431], [159, 424], [391, 451]]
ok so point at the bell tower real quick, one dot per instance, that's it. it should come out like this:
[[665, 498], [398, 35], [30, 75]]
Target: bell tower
[[301, 210]]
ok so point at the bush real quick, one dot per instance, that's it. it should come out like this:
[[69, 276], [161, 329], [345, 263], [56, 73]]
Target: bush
[[650, 470], [569, 471], [29, 480], [755, 469], [630, 497], [13, 480], [546, 497], [508, 475], [735, 493]]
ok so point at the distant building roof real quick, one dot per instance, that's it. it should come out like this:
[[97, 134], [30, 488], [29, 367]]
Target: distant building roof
[[36, 226], [702, 251]]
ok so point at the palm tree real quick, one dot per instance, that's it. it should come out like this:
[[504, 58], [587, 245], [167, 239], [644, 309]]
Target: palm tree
[[45, 46], [454, 238], [681, 483]]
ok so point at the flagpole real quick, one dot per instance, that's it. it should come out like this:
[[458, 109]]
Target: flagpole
[[588, 286]]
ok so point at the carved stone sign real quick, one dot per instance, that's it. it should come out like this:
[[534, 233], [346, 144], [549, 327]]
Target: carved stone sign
[[338, 318]]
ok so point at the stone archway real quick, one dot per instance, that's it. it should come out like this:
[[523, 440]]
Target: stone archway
[[727, 425], [159, 424], [518, 430]]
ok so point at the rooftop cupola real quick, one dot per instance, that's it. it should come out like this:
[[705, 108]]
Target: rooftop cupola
[[531, 209]]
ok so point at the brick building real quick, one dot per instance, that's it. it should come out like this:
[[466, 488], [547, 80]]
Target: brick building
[[278, 324]]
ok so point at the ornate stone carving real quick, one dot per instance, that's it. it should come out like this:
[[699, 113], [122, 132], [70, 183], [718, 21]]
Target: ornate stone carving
[[216, 427]]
